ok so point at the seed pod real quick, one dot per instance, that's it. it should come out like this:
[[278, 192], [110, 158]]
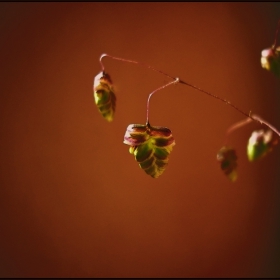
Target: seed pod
[[260, 144], [104, 95], [151, 146], [270, 60], [228, 159]]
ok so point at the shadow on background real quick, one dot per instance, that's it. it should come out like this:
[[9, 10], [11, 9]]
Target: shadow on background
[[74, 202]]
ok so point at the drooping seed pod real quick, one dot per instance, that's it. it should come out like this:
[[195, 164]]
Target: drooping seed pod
[[260, 144], [270, 60], [151, 146], [228, 160], [104, 95]]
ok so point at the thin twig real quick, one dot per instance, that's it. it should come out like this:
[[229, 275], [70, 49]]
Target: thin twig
[[247, 121], [261, 121], [236, 126], [135, 62], [217, 97], [274, 46], [150, 95], [177, 80]]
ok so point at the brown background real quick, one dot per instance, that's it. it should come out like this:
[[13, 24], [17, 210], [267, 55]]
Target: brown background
[[74, 202]]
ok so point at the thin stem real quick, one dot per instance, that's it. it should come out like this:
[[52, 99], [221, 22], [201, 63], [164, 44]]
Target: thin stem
[[274, 46], [261, 121], [150, 95], [177, 80], [217, 97], [236, 126], [100, 60], [135, 62], [250, 117], [247, 121]]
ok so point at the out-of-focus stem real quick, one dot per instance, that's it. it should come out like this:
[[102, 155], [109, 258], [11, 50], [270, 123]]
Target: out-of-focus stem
[[247, 121], [274, 46], [236, 126]]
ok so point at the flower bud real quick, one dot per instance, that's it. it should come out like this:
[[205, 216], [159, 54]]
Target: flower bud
[[150, 146], [260, 144], [104, 95], [270, 60], [228, 160]]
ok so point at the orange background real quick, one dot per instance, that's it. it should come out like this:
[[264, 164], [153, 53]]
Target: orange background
[[74, 202]]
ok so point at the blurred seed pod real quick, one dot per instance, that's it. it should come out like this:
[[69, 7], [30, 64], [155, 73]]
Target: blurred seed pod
[[151, 146], [260, 144], [104, 95], [270, 60], [228, 160]]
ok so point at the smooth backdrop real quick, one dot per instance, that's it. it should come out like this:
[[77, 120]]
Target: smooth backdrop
[[73, 201]]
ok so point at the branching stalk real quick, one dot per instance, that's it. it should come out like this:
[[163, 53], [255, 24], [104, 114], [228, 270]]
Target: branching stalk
[[177, 80], [247, 121], [274, 46]]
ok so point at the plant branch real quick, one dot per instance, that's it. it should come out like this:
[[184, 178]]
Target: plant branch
[[247, 121], [135, 62], [177, 80], [274, 46], [236, 126], [150, 95], [261, 121], [217, 97]]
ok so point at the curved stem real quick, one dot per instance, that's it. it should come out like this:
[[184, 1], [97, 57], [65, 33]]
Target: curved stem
[[246, 121], [274, 46], [135, 62], [177, 80], [261, 121], [236, 126], [150, 95], [100, 60]]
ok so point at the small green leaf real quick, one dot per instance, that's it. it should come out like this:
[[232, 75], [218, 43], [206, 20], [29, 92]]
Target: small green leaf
[[270, 60], [104, 95], [260, 144], [228, 160], [151, 146]]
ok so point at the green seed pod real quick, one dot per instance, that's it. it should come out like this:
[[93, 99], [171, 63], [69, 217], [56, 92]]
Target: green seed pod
[[260, 144], [104, 95], [270, 60], [151, 146], [228, 160]]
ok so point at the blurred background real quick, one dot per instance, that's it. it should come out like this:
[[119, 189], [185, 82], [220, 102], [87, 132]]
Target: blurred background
[[74, 202]]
